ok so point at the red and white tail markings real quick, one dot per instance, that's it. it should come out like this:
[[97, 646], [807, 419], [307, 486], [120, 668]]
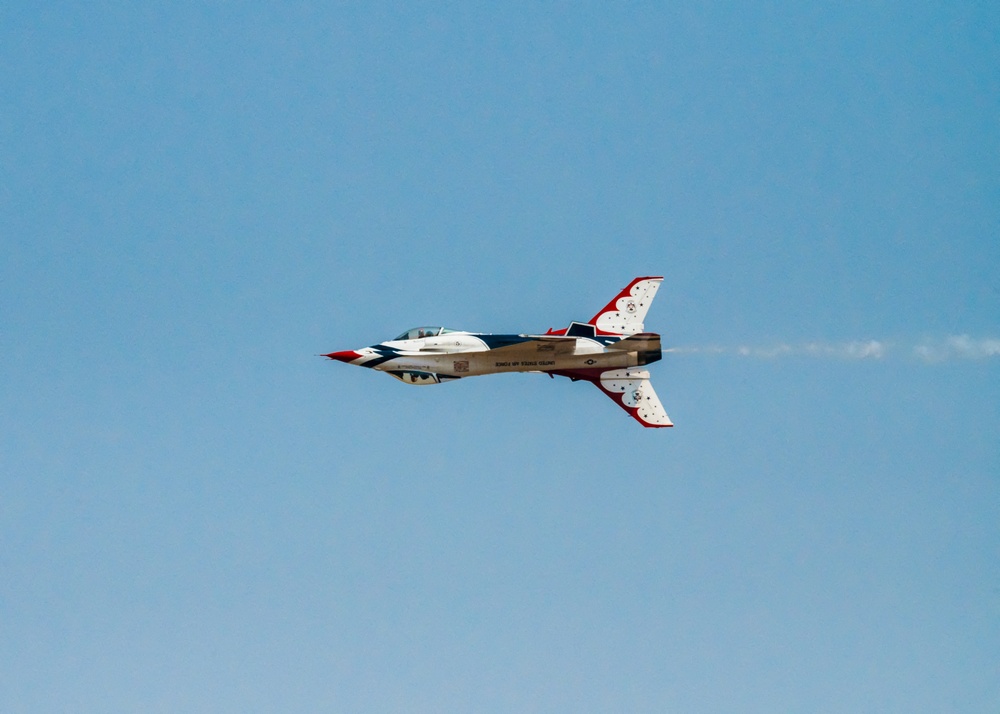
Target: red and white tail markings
[[625, 313], [633, 392]]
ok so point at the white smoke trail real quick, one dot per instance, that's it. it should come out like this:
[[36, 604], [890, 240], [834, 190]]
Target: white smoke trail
[[957, 347], [870, 349], [951, 348]]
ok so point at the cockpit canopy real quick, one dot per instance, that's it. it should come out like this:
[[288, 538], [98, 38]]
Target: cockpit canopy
[[417, 332]]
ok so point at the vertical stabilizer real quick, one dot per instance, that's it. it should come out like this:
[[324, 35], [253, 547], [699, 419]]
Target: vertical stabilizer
[[632, 391]]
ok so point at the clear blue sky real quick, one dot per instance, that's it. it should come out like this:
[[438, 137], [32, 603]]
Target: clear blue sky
[[198, 514]]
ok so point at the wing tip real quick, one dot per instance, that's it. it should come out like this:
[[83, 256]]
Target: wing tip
[[651, 425]]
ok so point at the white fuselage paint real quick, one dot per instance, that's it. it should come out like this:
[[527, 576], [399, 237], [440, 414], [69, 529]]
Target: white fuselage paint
[[465, 355]]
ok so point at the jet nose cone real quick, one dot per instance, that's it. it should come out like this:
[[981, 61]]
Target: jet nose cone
[[345, 356]]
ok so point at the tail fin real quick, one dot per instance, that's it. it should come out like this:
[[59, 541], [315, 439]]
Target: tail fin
[[632, 391], [624, 315]]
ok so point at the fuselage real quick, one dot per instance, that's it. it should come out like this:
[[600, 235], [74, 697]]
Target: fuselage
[[431, 355], [609, 351]]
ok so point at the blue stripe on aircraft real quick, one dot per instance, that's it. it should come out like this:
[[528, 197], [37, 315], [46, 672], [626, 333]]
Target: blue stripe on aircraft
[[381, 359]]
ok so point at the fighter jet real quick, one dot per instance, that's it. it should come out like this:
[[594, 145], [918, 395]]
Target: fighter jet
[[609, 351]]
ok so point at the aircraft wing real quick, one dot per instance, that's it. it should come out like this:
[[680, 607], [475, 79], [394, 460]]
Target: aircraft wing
[[632, 391], [542, 344]]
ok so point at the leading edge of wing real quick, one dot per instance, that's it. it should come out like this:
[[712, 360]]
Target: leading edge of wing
[[522, 343]]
